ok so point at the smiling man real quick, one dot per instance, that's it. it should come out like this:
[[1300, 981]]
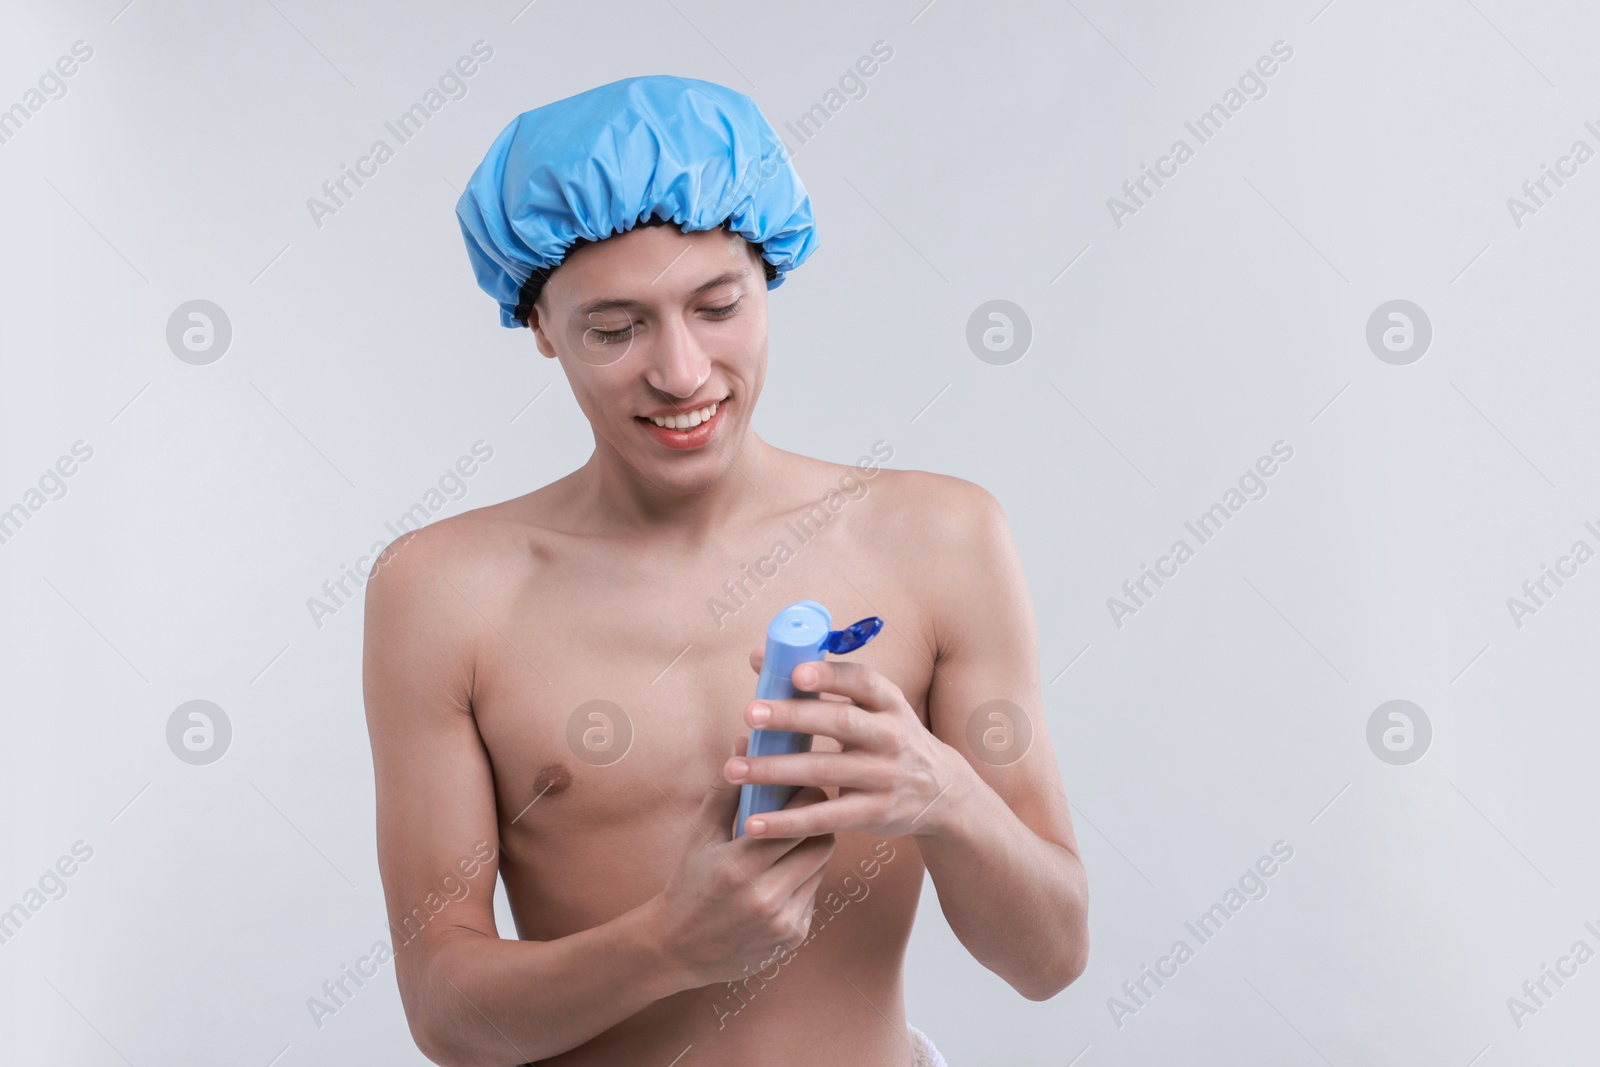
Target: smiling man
[[543, 675]]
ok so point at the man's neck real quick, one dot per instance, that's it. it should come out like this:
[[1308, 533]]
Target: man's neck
[[617, 497]]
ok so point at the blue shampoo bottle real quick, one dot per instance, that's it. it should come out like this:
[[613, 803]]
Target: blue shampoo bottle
[[800, 633]]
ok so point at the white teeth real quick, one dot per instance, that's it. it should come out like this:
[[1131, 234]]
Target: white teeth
[[686, 422]]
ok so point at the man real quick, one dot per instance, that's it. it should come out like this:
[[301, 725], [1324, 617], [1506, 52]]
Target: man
[[558, 686]]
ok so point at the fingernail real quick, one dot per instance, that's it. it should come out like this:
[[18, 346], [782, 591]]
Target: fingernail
[[760, 713], [755, 826], [804, 675], [738, 768]]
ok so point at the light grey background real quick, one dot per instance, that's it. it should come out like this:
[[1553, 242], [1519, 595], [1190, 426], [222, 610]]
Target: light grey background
[[1168, 354]]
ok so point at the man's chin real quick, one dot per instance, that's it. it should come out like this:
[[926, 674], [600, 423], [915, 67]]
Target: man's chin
[[681, 473]]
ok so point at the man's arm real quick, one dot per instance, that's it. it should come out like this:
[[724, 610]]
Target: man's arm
[[992, 821], [1000, 847], [470, 997]]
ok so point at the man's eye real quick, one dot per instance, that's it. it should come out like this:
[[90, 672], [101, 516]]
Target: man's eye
[[609, 337], [724, 312]]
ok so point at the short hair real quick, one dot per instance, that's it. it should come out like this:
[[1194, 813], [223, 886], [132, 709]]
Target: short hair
[[536, 281]]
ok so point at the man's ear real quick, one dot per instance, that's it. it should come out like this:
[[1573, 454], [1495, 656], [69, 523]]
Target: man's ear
[[539, 338]]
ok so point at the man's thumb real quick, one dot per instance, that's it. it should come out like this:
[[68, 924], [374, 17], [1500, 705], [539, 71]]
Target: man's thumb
[[721, 804]]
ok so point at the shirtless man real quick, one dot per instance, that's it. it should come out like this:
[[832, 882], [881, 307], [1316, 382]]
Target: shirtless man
[[647, 933]]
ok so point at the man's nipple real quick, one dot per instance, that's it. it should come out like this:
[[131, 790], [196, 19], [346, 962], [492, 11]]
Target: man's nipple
[[552, 780]]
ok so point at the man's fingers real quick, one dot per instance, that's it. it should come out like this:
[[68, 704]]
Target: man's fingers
[[758, 656], [835, 770], [856, 681], [806, 860], [778, 825], [839, 719], [853, 811], [720, 805], [809, 887], [806, 891]]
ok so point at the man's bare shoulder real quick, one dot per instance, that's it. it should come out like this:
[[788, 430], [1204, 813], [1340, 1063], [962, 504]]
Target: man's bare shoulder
[[930, 493], [933, 513], [505, 539]]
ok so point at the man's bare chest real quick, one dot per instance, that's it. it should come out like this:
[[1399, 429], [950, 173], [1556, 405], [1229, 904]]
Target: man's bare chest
[[606, 698]]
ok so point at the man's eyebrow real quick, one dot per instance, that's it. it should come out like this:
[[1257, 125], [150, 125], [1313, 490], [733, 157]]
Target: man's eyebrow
[[611, 303]]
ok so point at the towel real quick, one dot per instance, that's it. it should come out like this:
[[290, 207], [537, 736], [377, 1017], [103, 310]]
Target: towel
[[923, 1054]]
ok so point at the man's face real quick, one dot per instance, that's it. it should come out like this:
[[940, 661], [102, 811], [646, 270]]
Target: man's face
[[654, 322]]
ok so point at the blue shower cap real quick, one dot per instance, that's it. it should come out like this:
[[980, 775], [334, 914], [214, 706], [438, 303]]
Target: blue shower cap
[[598, 163]]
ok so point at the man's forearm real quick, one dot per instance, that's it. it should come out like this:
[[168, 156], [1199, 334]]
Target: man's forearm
[[1017, 902], [486, 1001]]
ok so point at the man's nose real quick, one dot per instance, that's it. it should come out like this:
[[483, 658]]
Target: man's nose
[[678, 366]]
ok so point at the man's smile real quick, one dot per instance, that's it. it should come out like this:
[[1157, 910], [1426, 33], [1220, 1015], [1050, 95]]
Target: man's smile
[[687, 428]]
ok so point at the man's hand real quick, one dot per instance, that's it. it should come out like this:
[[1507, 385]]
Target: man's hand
[[890, 775], [734, 902]]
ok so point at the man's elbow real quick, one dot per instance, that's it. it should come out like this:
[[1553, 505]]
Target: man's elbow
[[434, 1039], [1069, 961], [1068, 969], [441, 1042], [438, 1034], [431, 1044], [1067, 964]]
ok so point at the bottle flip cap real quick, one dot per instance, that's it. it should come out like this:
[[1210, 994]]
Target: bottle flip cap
[[803, 631], [853, 636]]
